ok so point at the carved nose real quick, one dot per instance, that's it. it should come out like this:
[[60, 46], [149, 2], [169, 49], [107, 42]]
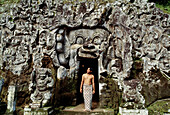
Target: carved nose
[[89, 46], [88, 38]]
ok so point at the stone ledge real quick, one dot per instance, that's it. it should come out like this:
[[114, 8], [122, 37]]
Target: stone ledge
[[124, 111], [85, 113], [79, 110], [38, 111]]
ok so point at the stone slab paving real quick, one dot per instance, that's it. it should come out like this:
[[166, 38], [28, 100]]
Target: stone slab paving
[[79, 110]]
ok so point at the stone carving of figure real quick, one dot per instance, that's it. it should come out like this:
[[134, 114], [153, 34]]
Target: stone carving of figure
[[41, 86], [132, 95]]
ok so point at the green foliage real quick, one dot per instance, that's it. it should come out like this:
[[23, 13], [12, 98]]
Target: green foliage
[[159, 107], [8, 1], [164, 5], [164, 8], [163, 2]]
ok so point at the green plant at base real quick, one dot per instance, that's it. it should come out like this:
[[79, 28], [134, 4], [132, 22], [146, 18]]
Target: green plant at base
[[9, 1], [159, 107], [165, 9], [162, 4]]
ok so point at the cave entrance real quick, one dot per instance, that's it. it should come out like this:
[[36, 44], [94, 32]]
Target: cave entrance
[[84, 64]]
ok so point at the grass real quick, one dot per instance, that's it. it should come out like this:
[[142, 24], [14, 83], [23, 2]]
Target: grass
[[164, 8]]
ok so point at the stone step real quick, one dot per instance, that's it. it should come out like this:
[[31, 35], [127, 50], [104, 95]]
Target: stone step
[[79, 110], [84, 113]]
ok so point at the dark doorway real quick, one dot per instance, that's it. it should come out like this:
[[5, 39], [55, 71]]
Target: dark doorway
[[84, 64]]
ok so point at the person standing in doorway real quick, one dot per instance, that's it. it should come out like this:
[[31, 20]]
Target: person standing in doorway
[[88, 86]]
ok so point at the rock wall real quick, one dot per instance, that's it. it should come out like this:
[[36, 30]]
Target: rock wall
[[56, 34], [111, 95]]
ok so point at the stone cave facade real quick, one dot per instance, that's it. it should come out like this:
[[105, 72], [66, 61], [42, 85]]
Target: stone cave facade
[[45, 42]]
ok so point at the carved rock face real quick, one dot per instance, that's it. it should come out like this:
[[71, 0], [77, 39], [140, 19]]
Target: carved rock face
[[1, 85], [94, 36], [88, 51], [41, 86], [115, 33]]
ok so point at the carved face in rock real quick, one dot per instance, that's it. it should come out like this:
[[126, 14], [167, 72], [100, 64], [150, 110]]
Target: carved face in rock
[[42, 77], [45, 38], [81, 36]]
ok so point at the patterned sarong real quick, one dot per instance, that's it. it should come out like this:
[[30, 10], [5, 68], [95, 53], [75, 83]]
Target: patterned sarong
[[87, 94]]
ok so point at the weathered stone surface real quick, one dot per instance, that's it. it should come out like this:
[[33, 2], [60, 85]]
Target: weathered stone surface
[[110, 95], [124, 111], [88, 51], [114, 33], [11, 106], [62, 72], [1, 85], [41, 84], [132, 95], [40, 111]]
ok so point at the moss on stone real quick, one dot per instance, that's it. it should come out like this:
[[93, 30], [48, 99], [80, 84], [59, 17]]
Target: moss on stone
[[137, 67], [22, 81], [111, 94], [159, 107]]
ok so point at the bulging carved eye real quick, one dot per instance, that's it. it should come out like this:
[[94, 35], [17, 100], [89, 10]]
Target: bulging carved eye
[[97, 40], [59, 38], [79, 40], [59, 47]]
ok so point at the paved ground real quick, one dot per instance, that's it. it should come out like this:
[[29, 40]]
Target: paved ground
[[79, 110], [80, 107]]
